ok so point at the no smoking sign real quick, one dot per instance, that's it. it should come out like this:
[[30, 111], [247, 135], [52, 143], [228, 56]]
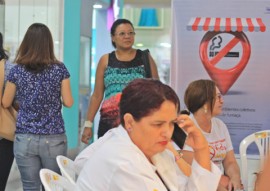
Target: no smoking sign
[[225, 49], [224, 56]]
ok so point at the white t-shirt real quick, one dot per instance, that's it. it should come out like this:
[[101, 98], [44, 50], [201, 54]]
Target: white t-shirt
[[219, 141]]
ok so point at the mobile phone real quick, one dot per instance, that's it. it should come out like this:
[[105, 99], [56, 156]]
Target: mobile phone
[[185, 112], [179, 136]]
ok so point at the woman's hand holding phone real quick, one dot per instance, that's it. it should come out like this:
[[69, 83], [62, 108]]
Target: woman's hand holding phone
[[196, 140], [179, 136]]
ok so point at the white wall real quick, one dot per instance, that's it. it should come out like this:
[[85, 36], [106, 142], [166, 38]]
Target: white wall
[[20, 14]]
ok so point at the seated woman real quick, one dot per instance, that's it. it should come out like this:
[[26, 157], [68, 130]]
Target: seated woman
[[134, 156], [203, 99]]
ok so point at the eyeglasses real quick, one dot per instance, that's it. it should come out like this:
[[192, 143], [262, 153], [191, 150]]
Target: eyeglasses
[[219, 97], [123, 34]]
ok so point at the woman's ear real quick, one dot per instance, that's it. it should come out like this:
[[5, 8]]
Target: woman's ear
[[128, 120], [205, 108], [112, 37]]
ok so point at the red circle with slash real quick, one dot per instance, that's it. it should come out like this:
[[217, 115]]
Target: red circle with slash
[[224, 78]]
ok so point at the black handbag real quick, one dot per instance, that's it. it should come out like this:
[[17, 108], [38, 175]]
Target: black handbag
[[145, 59]]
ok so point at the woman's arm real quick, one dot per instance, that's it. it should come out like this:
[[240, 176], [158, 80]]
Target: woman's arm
[[66, 93], [232, 171], [96, 98], [98, 93], [9, 94], [182, 164], [262, 183], [188, 156]]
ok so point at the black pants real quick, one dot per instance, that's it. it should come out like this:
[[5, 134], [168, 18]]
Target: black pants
[[108, 121], [103, 127], [6, 160]]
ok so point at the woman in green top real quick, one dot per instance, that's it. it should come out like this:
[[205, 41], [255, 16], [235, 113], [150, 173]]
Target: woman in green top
[[114, 71]]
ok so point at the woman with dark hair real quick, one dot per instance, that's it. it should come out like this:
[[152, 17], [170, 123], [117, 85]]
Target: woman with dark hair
[[204, 100], [42, 85], [138, 154], [6, 146], [114, 71]]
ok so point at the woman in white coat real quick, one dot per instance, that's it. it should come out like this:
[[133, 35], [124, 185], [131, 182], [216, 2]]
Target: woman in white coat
[[138, 154]]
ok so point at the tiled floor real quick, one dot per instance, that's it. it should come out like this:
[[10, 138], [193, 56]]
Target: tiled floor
[[14, 182]]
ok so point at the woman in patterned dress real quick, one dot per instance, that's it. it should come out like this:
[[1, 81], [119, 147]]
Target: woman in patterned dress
[[114, 71]]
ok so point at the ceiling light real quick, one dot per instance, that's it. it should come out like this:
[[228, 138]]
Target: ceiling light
[[139, 45], [165, 44], [97, 6]]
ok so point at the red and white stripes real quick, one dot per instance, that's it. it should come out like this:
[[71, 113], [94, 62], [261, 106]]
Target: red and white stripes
[[226, 24]]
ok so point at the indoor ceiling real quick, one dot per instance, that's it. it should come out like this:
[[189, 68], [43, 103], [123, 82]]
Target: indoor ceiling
[[147, 3]]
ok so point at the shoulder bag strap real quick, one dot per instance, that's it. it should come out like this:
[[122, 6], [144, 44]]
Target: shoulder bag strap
[[145, 58]]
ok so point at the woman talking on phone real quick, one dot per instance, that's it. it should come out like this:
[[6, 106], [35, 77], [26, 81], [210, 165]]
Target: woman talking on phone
[[138, 155]]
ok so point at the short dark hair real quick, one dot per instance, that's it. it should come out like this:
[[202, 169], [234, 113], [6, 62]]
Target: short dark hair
[[141, 97], [116, 24], [36, 51], [198, 93], [3, 54]]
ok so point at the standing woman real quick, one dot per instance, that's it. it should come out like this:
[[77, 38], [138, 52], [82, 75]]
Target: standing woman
[[204, 100], [114, 71], [6, 146], [41, 84]]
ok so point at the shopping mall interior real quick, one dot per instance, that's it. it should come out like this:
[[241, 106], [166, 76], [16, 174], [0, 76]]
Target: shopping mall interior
[[81, 36], [85, 29]]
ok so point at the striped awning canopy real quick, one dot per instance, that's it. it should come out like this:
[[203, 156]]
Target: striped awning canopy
[[226, 24]]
